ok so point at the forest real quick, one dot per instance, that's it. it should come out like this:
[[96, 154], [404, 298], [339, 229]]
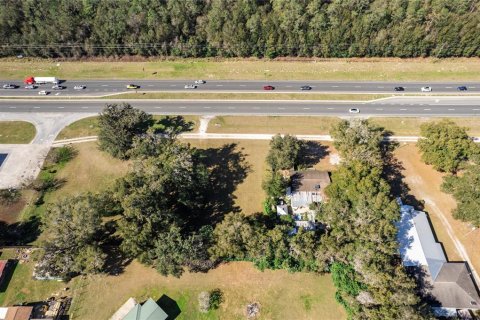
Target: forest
[[240, 28]]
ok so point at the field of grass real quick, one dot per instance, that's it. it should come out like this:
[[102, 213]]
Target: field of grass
[[411, 126], [89, 127], [389, 69], [247, 96], [22, 287], [16, 132], [281, 295]]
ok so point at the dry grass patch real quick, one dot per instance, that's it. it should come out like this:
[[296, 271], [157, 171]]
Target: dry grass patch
[[390, 69], [410, 126], [272, 124], [282, 295], [424, 183], [16, 132]]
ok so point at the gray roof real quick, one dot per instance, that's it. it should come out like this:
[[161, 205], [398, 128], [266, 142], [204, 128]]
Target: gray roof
[[454, 287], [148, 311], [310, 180]]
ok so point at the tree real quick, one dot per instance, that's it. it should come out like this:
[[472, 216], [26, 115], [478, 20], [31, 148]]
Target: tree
[[358, 140], [119, 125], [445, 145], [284, 152], [465, 189], [73, 230]]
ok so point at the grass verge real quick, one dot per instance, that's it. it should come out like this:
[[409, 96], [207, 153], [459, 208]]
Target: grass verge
[[248, 96], [16, 132], [89, 127], [389, 69]]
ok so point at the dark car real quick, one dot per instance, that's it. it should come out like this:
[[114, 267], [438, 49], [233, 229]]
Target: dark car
[[462, 88], [305, 88], [10, 86], [268, 88], [399, 89]]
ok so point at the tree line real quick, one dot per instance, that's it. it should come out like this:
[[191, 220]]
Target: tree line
[[260, 28]]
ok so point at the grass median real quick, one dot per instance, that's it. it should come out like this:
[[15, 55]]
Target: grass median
[[16, 132], [382, 69]]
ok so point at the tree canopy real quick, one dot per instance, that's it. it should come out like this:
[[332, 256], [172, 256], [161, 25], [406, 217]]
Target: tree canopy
[[119, 126], [445, 145], [270, 28], [284, 152]]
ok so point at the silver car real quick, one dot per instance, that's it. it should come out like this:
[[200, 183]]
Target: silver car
[[190, 86]]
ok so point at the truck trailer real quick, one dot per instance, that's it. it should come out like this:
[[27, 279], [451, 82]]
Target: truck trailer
[[41, 80]]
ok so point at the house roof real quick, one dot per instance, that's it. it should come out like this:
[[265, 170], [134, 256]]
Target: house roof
[[454, 287], [124, 309], [19, 313], [310, 180], [148, 311], [450, 283]]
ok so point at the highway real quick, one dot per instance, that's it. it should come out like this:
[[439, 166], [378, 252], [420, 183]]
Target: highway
[[106, 87], [397, 106]]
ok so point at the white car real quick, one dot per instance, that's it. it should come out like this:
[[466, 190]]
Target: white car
[[190, 86], [43, 92], [200, 81], [80, 87], [31, 86], [354, 110], [57, 87], [426, 89]]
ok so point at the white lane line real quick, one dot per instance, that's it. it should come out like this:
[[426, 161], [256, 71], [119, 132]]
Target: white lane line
[[403, 109], [219, 85], [379, 109], [104, 85], [451, 109], [159, 107], [173, 85], [475, 109], [84, 107], [281, 108], [380, 87], [242, 85], [472, 87], [306, 108], [206, 107], [151, 85], [330, 108], [183, 107], [334, 86], [288, 86], [13, 107], [448, 87], [36, 107], [358, 86], [427, 109], [61, 107]]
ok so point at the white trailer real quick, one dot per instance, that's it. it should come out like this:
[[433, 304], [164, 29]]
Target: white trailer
[[42, 80]]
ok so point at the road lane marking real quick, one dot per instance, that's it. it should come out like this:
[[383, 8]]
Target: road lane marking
[[288, 86], [427, 109], [334, 86], [158, 107], [472, 87], [358, 86], [12, 107], [448, 87], [84, 107], [206, 107], [219, 85], [475, 109], [379, 109], [183, 107], [61, 107], [380, 87], [104, 85], [242, 85], [403, 109], [36, 107], [451, 109], [173, 85], [151, 85], [281, 108], [330, 108], [306, 108]]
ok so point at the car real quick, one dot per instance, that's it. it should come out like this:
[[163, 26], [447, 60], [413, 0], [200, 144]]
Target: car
[[57, 87], [80, 87], [43, 92], [426, 89], [462, 88], [190, 86], [31, 86], [133, 86], [10, 86], [200, 81], [268, 88], [303, 88], [354, 110], [399, 89]]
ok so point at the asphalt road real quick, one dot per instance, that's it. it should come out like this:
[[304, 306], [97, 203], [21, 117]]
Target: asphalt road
[[105, 87], [401, 106]]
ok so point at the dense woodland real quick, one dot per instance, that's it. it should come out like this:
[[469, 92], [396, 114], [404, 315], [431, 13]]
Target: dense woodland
[[261, 28]]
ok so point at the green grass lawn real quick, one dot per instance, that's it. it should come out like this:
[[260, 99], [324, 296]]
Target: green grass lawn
[[455, 69], [89, 127], [16, 132], [248, 96]]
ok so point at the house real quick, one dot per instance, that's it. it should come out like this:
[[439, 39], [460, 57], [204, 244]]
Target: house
[[16, 313], [449, 286], [307, 187], [132, 310]]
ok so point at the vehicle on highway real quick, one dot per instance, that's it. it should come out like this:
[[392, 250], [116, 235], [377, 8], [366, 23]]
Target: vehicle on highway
[[41, 80], [354, 110], [10, 86], [43, 92], [426, 89], [57, 87], [268, 88], [31, 86], [200, 81], [462, 88], [133, 86], [80, 87], [190, 86], [303, 88], [399, 89]]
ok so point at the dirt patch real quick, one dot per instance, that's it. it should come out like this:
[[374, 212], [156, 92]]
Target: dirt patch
[[424, 183], [10, 213]]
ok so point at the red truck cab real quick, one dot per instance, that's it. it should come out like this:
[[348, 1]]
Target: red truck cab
[[29, 80]]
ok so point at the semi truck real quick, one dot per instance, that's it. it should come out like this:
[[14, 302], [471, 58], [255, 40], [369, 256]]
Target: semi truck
[[41, 80]]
